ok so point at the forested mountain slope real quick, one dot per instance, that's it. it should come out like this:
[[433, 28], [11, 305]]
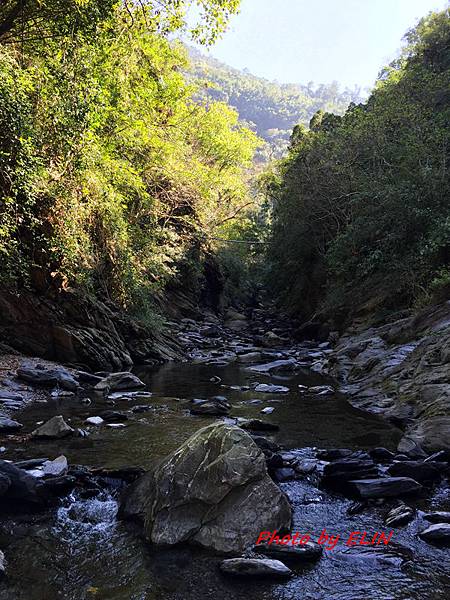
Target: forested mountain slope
[[361, 204], [272, 109]]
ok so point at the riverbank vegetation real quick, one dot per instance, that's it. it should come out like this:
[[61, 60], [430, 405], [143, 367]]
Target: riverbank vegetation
[[361, 203], [112, 177]]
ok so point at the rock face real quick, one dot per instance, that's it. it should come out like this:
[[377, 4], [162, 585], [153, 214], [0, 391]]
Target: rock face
[[400, 369], [214, 491], [55, 428]]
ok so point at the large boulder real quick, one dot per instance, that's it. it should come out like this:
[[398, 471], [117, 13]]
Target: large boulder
[[214, 491]]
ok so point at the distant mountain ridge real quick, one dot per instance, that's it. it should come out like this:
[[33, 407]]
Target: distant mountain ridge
[[270, 108]]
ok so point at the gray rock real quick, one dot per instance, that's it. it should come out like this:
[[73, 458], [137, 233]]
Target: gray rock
[[97, 421], [119, 381], [56, 467], [321, 390], [2, 565], [276, 366], [410, 447], [388, 487], [268, 410], [249, 357], [114, 416], [291, 552], [211, 408], [267, 388], [439, 532], [49, 378], [9, 426], [255, 567], [214, 491], [5, 482], [439, 516], [55, 428], [399, 515], [419, 470], [284, 474], [23, 487]]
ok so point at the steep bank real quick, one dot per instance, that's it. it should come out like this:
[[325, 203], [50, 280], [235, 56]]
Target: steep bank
[[401, 370]]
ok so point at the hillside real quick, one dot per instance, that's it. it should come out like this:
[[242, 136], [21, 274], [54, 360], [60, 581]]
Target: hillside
[[272, 109]]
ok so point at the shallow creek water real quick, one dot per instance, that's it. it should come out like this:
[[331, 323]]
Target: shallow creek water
[[82, 551]]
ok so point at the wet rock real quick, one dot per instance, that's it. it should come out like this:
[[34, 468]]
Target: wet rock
[[284, 474], [346, 469], [59, 486], [421, 471], [215, 379], [211, 408], [56, 467], [249, 357], [291, 552], [140, 408], [306, 466], [85, 378], [400, 515], [30, 463], [277, 366], [113, 416], [321, 390], [265, 444], [48, 378], [55, 428], [267, 388], [257, 425], [411, 448], [439, 532], [97, 421], [9, 426], [136, 497], [438, 517], [381, 454], [23, 487], [333, 454], [119, 381], [206, 493], [255, 567], [268, 410], [116, 425], [5, 395], [388, 487], [5, 482], [2, 565]]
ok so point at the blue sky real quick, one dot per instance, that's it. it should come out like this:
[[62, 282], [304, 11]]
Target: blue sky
[[296, 41]]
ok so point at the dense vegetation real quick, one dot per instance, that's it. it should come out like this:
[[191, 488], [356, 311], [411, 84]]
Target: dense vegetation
[[361, 204], [112, 178], [270, 108]]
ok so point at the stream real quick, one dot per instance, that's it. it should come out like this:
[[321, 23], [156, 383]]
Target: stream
[[80, 550]]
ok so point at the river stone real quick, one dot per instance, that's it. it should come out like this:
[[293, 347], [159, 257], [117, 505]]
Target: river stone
[[255, 567], [214, 491], [400, 515], [267, 388], [388, 487], [439, 532], [275, 366], [291, 552], [8, 425], [211, 407], [95, 421], [419, 470], [55, 428], [119, 381], [257, 425], [56, 467], [48, 377], [439, 516], [23, 486]]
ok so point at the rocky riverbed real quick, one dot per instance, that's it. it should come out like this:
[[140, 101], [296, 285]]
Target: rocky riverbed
[[74, 527]]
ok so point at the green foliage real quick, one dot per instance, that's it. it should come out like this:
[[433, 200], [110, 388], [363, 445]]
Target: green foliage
[[361, 204], [270, 108], [110, 171]]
